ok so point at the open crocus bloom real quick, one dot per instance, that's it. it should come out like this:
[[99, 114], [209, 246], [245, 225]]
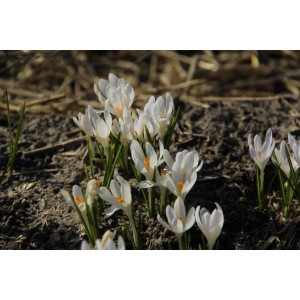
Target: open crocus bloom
[[210, 224], [282, 159], [261, 153], [178, 221], [115, 94], [119, 196], [145, 164], [106, 243], [188, 161], [161, 112], [183, 172]]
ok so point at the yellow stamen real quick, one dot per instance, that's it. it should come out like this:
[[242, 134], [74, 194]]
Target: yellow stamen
[[78, 199], [98, 183], [181, 219], [120, 199], [147, 164], [180, 186], [163, 116]]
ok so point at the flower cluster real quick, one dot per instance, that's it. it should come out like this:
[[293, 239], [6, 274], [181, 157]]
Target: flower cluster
[[118, 134], [286, 159]]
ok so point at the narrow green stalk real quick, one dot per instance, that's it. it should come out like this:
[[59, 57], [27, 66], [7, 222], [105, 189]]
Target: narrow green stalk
[[260, 187], [163, 191], [111, 167], [134, 232], [91, 156], [125, 155], [180, 242], [151, 202]]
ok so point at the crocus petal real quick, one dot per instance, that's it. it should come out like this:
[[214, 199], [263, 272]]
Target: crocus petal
[[115, 188], [85, 245], [163, 223], [179, 208], [190, 219], [110, 211], [177, 227]]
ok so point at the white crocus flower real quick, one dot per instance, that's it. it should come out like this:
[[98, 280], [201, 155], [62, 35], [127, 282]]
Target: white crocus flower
[[183, 172], [102, 129], [187, 160], [83, 122], [261, 153], [295, 147], [161, 112], [127, 126], [141, 122], [145, 164], [119, 196], [77, 199], [178, 221], [92, 191], [282, 159], [106, 243], [115, 94], [210, 224], [78, 202]]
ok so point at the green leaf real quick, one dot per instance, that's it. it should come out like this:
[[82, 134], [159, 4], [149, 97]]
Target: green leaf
[[170, 130]]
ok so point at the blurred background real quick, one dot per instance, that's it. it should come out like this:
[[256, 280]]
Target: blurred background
[[61, 82]]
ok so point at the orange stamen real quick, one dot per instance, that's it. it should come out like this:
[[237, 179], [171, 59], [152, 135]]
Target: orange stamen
[[180, 186], [78, 199], [147, 164], [134, 133], [259, 153], [180, 218], [120, 199]]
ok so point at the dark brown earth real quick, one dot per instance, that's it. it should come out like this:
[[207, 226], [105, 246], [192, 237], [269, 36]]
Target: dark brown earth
[[33, 214]]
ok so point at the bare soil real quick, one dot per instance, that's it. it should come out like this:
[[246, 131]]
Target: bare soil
[[35, 216]]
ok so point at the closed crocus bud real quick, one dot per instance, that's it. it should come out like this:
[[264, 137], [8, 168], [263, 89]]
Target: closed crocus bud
[[282, 159], [259, 152], [92, 189], [210, 224]]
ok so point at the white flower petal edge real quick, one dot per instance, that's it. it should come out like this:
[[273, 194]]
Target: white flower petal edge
[[106, 243], [178, 222]]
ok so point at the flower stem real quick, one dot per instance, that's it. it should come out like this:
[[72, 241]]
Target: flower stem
[[151, 202], [260, 187], [134, 232], [162, 200], [180, 242]]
